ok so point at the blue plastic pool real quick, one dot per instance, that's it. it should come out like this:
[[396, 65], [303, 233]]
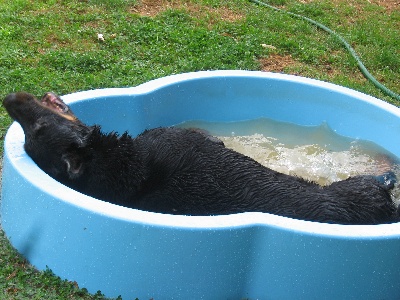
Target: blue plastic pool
[[133, 253]]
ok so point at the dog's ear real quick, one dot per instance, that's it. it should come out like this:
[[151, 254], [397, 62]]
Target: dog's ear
[[39, 124], [74, 162], [77, 154]]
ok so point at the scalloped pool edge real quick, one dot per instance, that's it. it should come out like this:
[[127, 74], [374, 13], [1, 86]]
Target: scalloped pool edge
[[87, 240]]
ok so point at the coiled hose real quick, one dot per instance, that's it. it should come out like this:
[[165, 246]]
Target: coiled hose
[[353, 53]]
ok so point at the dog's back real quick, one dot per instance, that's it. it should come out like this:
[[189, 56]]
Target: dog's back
[[195, 176]]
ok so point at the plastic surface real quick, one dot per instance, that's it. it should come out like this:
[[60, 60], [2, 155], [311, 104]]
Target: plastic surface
[[133, 253]]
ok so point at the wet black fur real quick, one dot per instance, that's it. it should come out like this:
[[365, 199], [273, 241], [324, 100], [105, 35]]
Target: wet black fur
[[182, 171]]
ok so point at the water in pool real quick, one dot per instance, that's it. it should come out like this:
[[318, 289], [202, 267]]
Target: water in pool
[[316, 153]]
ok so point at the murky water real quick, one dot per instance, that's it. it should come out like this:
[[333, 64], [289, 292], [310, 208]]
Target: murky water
[[315, 153]]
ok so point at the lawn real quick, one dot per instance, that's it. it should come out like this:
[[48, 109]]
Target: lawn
[[55, 46]]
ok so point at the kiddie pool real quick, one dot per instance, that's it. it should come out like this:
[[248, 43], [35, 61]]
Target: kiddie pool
[[133, 253]]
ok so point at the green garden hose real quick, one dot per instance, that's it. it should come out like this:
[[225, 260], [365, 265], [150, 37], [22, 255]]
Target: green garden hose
[[353, 53]]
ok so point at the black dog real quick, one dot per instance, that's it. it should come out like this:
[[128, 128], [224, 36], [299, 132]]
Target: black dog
[[183, 171]]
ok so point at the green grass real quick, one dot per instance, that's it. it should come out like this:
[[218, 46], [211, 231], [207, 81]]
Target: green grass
[[19, 280], [53, 46]]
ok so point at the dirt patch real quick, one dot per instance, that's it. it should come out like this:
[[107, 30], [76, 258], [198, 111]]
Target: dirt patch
[[288, 65], [389, 5], [277, 63], [151, 8]]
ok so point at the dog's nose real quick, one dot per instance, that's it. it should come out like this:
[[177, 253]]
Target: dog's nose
[[9, 99], [15, 103], [14, 98]]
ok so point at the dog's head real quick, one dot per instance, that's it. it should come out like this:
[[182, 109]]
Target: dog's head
[[54, 137]]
